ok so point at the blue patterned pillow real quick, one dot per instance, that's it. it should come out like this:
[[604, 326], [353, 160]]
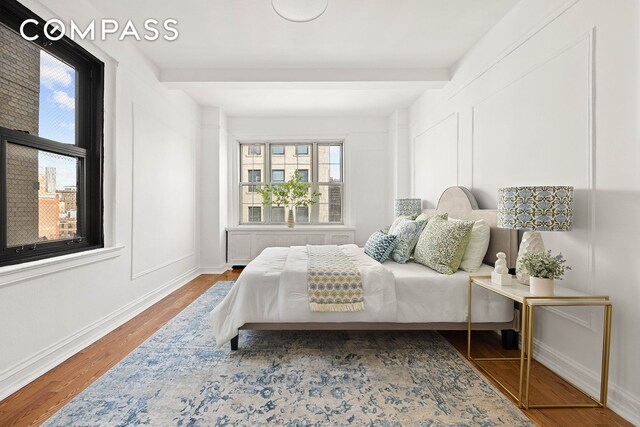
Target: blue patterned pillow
[[380, 245], [408, 232]]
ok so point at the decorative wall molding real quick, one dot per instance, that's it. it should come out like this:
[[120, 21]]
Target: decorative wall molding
[[32, 270], [192, 250], [160, 266], [587, 323], [27, 370], [518, 44], [414, 142], [214, 269]]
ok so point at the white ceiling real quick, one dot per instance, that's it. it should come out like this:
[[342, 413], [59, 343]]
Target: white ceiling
[[352, 34]]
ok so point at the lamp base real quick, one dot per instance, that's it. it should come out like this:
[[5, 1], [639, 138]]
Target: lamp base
[[531, 243]]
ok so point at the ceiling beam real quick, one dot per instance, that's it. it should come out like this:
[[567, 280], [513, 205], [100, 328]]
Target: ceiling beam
[[230, 75]]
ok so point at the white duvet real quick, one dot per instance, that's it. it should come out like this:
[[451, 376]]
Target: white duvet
[[273, 288]]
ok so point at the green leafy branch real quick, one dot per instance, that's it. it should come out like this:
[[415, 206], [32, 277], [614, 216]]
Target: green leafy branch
[[290, 194]]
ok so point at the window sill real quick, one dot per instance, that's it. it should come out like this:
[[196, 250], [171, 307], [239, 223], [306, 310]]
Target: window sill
[[31, 270]]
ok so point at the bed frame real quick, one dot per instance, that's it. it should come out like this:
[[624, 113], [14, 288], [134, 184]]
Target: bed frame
[[459, 203]]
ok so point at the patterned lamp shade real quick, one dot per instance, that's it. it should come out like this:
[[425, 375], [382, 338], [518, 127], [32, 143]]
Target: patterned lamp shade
[[407, 207], [546, 208]]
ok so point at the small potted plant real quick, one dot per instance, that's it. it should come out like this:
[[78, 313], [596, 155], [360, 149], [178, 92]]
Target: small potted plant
[[543, 269], [289, 194]]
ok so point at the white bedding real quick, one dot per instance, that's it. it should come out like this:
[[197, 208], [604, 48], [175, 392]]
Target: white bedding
[[426, 296], [273, 288]]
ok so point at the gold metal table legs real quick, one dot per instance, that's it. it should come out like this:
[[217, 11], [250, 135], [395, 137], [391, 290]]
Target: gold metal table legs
[[526, 348]]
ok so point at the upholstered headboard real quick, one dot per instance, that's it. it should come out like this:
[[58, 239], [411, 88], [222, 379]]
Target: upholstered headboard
[[459, 203]]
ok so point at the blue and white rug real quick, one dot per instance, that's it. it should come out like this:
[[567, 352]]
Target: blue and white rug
[[179, 378]]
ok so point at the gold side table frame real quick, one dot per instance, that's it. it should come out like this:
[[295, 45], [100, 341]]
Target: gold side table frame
[[529, 302]]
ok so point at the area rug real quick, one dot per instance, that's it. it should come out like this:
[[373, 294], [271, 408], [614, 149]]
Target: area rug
[[179, 378]]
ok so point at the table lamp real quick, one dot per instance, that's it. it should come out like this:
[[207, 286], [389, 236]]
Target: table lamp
[[534, 209], [408, 207]]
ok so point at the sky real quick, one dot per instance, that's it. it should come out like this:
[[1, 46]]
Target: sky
[[57, 115]]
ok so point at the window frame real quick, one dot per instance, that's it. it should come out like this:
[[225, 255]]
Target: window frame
[[88, 149], [313, 172]]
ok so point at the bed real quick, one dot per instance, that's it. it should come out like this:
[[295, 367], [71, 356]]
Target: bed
[[271, 292]]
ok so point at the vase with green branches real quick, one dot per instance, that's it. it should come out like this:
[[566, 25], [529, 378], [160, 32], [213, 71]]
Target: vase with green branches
[[290, 194]]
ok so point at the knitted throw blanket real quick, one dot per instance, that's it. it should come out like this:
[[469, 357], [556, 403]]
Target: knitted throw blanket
[[334, 281]]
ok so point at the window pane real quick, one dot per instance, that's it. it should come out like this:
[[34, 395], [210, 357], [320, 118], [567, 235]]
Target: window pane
[[330, 206], [302, 214], [254, 150], [277, 150], [254, 214], [330, 163], [38, 91], [277, 175], [277, 214], [250, 199], [252, 164], [304, 175], [302, 150], [41, 196], [255, 175]]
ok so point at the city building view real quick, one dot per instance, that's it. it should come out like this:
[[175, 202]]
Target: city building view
[[319, 164], [57, 208], [41, 186]]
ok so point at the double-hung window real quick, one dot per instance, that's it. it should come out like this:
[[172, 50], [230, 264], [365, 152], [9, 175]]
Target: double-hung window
[[50, 142], [319, 163]]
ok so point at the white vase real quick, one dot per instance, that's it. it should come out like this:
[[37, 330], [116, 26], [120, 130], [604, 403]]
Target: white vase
[[290, 221], [541, 287], [531, 243]]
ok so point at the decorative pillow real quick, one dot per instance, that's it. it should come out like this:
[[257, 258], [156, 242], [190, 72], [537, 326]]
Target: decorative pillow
[[426, 217], [477, 247], [442, 244], [423, 217], [408, 232], [380, 245]]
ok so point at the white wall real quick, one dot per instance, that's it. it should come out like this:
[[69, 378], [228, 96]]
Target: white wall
[[550, 96], [214, 195], [151, 140], [367, 197], [399, 154]]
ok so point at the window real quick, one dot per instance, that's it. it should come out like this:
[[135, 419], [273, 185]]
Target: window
[[277, 214], [50, 143], [255, 175], [302, 214], [255, 150], [320, 163], [255, 214], [277, 175]]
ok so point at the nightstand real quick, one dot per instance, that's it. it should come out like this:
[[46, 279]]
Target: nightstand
[[563, 297]]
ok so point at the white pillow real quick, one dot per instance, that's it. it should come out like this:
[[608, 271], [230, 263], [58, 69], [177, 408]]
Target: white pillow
[[477, 247]]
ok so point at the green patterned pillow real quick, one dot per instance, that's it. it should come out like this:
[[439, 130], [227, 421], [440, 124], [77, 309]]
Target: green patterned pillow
[[442, 243]]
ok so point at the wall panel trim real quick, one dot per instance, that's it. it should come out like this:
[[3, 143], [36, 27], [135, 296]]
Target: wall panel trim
[[587, 322]]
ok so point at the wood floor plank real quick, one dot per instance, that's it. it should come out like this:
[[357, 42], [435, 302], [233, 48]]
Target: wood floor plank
[[39, 400]]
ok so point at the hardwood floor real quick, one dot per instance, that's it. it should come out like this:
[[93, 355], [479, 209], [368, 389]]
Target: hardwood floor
[[39, 400]]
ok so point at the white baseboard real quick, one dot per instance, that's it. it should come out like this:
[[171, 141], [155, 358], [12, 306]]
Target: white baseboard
[[21, 374], [214, 269], [622, 402]]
